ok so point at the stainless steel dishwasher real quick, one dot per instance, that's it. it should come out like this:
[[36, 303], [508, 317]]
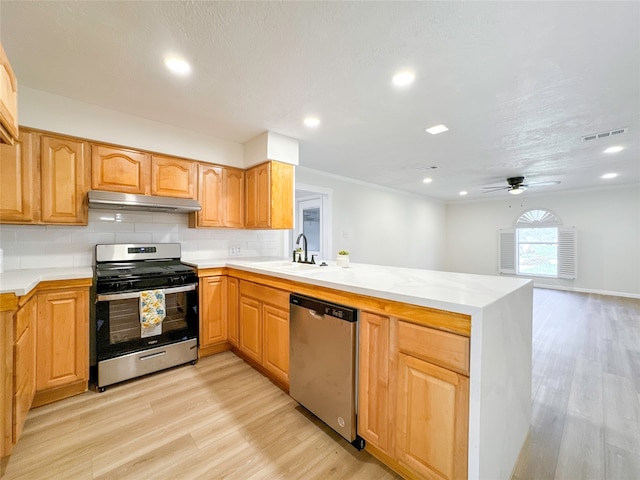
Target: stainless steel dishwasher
[[322, 362]]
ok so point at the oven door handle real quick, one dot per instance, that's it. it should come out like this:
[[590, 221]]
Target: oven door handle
[[128, 295]]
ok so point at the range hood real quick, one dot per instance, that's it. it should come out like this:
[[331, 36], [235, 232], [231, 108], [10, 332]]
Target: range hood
[[145, 203]]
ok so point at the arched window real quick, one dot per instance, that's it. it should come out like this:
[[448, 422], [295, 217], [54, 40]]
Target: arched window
[[538, 246]]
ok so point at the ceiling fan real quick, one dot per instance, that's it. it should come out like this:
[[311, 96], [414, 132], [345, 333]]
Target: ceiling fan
[[516, 185]]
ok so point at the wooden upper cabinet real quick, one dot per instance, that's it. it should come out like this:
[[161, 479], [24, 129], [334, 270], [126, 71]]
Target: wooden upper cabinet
[[233, 182], [173, 177], [8, 101], [65, 180], [210, 196], [19, 184], [120, 170], [269, 196], [221, 195]]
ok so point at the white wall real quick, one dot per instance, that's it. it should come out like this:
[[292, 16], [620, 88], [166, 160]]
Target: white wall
[[58, 114], [382, 226], [40, 246], [607, 222]]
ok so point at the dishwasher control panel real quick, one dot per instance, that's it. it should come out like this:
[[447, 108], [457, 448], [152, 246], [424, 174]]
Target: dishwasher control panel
[[338, 311]]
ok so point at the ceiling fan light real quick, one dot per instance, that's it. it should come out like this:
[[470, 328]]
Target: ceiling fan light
[[516, 190]]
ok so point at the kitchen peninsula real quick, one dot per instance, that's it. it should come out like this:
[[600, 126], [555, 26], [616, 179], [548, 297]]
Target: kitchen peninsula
[[427, 338], [413, 323]]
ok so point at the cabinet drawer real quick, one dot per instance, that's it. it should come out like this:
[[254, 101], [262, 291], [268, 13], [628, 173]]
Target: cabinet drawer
[[272, 296], [441, 348]]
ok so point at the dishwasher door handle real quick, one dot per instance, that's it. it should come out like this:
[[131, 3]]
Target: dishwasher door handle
[[315, 314]]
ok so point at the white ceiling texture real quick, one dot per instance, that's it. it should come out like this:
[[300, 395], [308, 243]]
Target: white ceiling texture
[[518, 84]]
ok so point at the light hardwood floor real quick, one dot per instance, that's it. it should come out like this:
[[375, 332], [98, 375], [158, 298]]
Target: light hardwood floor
[[221, 419], [586, 388], [217, 419]]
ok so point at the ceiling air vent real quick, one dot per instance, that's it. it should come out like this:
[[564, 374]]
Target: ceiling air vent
[[610, 133]]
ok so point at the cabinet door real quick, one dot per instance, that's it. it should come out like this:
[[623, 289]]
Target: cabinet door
[[281, 195], [8, 101], [433, 415], [251, 198], [173, 177], [233, 180], [251, 328], [263, 195], [276, 342], [62, 338], [373, 380], [24, 364], [210, 190], [232, 310], [18, 181], [6, 381], [213, 310], [65, 180], [120, 170]]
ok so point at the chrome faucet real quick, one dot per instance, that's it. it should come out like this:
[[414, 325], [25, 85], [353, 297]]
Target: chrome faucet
[[304, 247]]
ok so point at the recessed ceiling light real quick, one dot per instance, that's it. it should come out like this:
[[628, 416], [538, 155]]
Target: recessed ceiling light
[[312, 122], [615, 149], [463, 193], [177, 65], [427, 180], [437, 129], [608, 176], [402, 79]]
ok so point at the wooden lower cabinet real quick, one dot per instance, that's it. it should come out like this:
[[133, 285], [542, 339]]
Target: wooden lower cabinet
[[62, 344], [213, 313], [232, 310], [432, 419], [24, 363], [8, 306], [264, 329], [276, 342], [373, 380], [251, 328], [413, 406]]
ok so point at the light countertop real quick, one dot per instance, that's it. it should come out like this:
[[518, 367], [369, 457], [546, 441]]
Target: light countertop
[[455, 292], [21, 282]]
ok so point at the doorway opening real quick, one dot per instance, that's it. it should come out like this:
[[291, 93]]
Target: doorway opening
[[313, 218]]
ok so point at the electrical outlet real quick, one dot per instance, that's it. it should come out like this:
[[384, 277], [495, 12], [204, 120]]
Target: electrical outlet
[[237, 250], [232, 251]]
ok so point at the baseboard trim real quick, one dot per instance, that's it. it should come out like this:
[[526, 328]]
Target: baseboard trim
[[587, 290]]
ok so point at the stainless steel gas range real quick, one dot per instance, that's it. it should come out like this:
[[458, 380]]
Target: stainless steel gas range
[[146, 310]]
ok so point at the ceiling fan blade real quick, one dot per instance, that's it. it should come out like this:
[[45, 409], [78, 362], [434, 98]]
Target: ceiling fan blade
[[541, 184], [494, 189]]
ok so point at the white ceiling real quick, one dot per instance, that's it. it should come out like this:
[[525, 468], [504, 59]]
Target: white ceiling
[[517, 83]]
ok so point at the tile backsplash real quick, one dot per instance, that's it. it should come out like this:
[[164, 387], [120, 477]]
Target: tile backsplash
[[43, 246]]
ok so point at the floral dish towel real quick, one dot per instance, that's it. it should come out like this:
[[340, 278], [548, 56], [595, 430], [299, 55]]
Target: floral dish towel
[[152, 312]]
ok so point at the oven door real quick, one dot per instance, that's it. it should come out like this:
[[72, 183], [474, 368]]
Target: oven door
[[119, 330]]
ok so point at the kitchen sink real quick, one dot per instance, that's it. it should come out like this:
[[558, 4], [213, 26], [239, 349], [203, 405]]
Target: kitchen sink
[[286, 266]]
